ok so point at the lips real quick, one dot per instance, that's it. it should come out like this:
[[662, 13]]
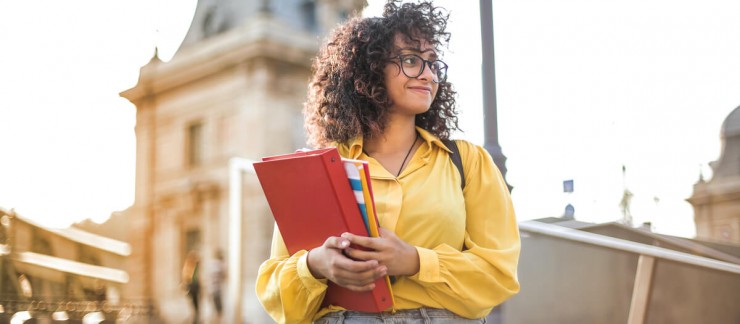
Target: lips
[[421, 89]]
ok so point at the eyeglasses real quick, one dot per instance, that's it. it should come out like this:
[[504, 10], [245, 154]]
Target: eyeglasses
[[413, 65]]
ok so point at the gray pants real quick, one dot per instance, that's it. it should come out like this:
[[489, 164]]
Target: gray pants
[[407, 316]]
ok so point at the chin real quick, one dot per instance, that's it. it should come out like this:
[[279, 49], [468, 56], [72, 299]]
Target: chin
[[415, 109], [421, 110]]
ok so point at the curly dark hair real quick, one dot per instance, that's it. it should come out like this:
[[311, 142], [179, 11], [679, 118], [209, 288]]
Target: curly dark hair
[[347, 95]]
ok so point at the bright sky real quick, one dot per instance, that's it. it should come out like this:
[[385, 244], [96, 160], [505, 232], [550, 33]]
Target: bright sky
[[584, 87]]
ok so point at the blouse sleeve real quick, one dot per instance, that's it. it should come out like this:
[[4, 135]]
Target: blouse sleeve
[[471, 282], [285, 286]]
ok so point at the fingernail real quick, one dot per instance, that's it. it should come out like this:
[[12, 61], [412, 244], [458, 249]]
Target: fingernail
[[344, 244], [345, 235]]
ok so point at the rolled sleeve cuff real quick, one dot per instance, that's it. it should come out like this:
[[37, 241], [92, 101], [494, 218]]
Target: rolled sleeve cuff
[[305, 274], [428, 266]]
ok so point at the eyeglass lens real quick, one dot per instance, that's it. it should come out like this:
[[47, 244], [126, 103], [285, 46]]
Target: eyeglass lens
[[413, 66]]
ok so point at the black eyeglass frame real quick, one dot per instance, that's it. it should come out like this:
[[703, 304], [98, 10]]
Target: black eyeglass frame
[[425, 63]]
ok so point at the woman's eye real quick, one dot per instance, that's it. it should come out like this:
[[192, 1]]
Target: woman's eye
[[411, 60]]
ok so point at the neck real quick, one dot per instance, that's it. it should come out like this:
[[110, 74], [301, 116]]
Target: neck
[[398, 135]]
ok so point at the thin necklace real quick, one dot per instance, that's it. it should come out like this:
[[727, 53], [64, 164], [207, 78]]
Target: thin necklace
[[405, 158], [407, 154]]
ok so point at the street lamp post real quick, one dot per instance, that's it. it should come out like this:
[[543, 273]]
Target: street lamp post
[[489, 88]]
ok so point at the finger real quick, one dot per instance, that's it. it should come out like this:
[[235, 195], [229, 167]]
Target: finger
[[363, 255], [347, 267], [359, 278], [368, 242], [354, 279], [367, 287], [335, 242], [346, 264], [382, 232]]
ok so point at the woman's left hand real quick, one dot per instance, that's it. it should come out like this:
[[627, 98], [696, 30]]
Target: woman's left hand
[[399, 257]]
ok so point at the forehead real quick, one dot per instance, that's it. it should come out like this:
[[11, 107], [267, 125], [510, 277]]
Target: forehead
[[401, 42]]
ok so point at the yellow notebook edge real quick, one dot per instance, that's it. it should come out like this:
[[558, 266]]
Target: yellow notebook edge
[[372, 218], [369, 203]]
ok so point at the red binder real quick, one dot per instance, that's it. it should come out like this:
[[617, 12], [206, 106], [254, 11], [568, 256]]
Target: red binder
[[311, 199]]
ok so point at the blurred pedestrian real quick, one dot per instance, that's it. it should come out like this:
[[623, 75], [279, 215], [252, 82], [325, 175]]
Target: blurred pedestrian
[[216, 278], [191, 281]]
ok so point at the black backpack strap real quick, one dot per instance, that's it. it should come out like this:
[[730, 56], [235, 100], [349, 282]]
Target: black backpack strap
[[456, 159]]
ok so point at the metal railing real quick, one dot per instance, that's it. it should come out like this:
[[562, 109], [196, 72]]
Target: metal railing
[[59, 309], [645, 264], [629, 246]]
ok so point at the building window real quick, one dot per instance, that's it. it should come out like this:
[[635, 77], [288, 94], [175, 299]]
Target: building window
[[195, 144], [343, 15], [309, 15], [88, 255], [40, 244]]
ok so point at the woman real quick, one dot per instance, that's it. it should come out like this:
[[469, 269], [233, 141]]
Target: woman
[[379, 93]]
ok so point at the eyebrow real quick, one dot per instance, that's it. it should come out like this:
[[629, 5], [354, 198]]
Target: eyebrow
[[415, 49]]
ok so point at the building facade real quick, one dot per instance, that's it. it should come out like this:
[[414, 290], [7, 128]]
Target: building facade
[[235, 88], [716, 202], [48, 273]]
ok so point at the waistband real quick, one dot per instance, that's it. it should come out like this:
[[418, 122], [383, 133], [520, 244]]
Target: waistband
[[419, 313]]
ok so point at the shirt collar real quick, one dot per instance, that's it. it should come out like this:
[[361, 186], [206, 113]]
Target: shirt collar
[[431, 139], [353, 149]]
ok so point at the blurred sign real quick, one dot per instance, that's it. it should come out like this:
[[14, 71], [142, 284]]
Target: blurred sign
[[568, 186]]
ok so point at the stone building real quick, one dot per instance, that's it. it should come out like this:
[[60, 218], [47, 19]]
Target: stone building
[[717, 201], [235, 88], [50, 273]]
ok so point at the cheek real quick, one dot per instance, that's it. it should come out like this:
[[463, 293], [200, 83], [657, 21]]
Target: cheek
[[391, 72], [393, 82]]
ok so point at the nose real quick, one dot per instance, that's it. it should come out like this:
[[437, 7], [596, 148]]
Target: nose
[[426, 72]]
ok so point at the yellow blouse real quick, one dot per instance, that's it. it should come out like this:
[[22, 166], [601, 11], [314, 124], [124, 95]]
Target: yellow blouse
[[468, 240]]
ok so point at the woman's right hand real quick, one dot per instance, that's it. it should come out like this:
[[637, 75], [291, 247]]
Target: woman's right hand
[[328, 261]]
